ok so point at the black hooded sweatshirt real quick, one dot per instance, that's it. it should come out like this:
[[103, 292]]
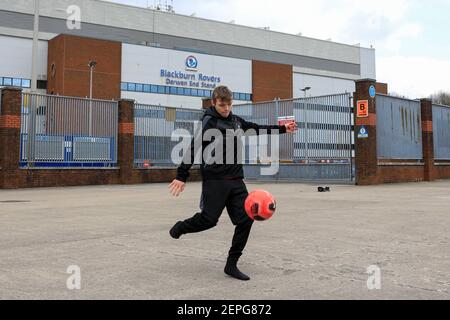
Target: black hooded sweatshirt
[[211, 119]]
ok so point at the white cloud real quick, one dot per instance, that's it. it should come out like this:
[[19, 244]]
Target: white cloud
[[385, 24], [393, 42], [342, 20], [416, 77]]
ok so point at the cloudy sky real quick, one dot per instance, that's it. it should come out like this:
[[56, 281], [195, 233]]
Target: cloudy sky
[[411, 37]]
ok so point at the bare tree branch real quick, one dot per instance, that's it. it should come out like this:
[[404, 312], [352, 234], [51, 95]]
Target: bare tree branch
[[441, 97]]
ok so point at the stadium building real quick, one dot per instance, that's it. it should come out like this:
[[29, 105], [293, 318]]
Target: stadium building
[[163, 58]]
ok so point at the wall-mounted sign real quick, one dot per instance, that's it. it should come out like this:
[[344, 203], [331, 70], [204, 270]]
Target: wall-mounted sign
[[189, 79], [184, 79], [363, 133], [362, 108], [191, 63], [372, 92]]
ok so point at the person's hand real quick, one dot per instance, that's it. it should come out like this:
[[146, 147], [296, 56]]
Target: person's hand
[[177, 187], [291, 127]]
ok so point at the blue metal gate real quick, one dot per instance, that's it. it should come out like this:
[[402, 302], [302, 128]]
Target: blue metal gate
[[61, 131]]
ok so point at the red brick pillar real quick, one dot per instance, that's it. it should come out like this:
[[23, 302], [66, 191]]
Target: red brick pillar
[[10, 111], [126, 140], [366, 160], [426, 109]]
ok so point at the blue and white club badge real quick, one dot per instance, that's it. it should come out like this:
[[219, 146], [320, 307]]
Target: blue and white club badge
[[372, 92], [363, 133], [191, 63]]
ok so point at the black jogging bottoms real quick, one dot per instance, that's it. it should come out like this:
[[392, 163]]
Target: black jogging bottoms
[[216, 196]]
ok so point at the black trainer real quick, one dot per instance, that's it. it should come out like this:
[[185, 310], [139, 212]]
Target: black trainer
[[232, 270], [175, 231]]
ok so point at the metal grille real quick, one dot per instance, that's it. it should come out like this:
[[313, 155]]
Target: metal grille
[[325, 128], [399, 128], [322, 148], [70, 132], [262, 114], [153, 131], [441, 132]]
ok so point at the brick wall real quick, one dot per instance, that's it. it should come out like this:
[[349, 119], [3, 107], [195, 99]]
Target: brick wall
[[441, 170], [381, 88], [68, 71], [370, 170], [11, 176], [9, 134], [366, 149], [271, 80]]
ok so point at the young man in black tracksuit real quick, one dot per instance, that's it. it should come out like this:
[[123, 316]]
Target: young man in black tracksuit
[[223, 185]]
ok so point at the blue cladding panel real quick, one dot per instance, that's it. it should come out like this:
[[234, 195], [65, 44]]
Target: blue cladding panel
[[441, 132], [399, 128]]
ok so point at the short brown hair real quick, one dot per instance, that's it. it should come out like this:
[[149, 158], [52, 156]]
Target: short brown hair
[[222, 92]]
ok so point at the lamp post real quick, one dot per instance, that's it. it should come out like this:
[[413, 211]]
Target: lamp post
[[34, 54], [92, 64], [305, 90], [305, 119], [35, 47]]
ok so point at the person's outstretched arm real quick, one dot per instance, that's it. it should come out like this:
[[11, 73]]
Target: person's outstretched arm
[[287, 128]]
